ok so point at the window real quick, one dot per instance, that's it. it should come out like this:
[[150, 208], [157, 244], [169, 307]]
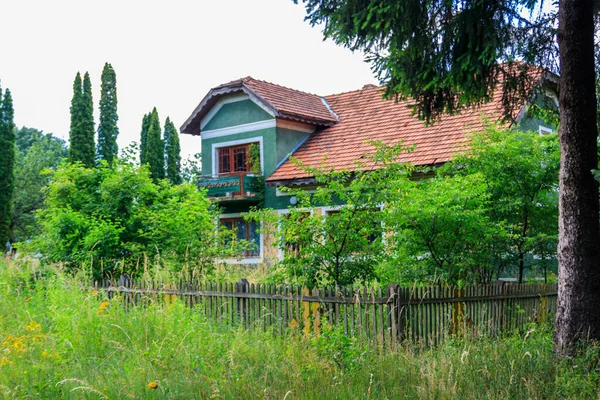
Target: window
[[545, 131], [235, 159], [247, 231]]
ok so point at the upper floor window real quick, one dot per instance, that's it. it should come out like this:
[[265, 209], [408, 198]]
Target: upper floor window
[[236, 159]]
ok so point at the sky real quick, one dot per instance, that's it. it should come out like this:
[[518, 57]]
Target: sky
[[166, 54]]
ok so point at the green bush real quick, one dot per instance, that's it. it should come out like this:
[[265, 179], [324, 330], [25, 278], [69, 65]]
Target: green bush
[[116, 220]]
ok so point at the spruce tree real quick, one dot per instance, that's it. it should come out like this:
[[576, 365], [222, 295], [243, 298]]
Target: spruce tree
[[81, 136], [7, 144], [155, 149], [172, 153], [144, 138], [107, 127]]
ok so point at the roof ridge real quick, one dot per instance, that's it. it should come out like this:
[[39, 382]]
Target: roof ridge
[[354, 90], [285, 87]]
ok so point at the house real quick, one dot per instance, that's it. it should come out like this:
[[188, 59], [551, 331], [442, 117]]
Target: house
[[249, 128]]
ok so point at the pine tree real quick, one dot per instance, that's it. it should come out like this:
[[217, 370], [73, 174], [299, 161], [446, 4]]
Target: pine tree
[[144, 138], [172, 153], [7, 144], [107, 127], [155, 148], [81, 136]]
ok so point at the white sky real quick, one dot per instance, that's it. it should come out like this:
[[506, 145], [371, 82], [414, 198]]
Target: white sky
[[165, 54]]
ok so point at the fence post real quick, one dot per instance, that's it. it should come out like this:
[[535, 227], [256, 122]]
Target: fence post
[[392, 296], [402, 312], [241, 286]]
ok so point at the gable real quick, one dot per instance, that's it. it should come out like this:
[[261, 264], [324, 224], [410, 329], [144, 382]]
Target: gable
[[234, 113]]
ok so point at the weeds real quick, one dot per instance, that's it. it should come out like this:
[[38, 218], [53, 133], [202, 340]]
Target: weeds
[[61, 340]]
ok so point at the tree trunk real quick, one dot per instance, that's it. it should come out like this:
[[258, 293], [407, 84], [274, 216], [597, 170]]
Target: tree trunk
[[578, 308]]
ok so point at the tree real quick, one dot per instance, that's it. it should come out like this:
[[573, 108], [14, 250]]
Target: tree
[[155, 148], [451, 54], [81, 135], [144, 138], [112, 219], [7, 144], [36, 155], [520, 170], [107, 127], [172, 153]]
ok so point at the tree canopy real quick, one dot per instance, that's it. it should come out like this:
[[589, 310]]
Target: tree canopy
[[7, 180]]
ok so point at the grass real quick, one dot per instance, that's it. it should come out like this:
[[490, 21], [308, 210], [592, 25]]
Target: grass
[[59, 339]]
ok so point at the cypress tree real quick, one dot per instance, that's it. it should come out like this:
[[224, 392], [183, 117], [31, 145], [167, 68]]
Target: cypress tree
[[172, 153], [107, 127], [75, 131], [155, 148], [7, 144], [81, 136], [88, 122], [144, 138]]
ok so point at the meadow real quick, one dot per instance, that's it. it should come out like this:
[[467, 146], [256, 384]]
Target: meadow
[[61, 339]]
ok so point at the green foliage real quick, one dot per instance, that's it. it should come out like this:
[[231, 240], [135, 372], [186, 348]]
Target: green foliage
[[107, 127], [345, 244], [81, 135], [441, 232], [520, 170], [172, 153], [144, 138], [155, 148], [113, 219], [191, 168], [37, 154], [443, 54], [7, 167], [53, 332]]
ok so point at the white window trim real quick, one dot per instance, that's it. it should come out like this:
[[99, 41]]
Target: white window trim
[[544, 130], [217, 146], [232, 130], [247, 260]]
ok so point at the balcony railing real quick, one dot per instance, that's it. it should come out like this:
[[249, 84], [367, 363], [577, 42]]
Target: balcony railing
[[230, 186]]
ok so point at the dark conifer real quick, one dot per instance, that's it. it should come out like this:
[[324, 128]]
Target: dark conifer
[[81, 136], [107, 127], [7, 144], [144, 138], [155, 149], [172, 153]]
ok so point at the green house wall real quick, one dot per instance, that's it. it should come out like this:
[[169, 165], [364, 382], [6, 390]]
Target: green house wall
[[237, 113]]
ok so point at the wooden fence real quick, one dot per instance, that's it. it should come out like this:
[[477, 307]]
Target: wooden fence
[[420, 314]]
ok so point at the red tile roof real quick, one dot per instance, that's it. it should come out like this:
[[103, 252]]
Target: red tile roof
[[291, 103], [284, 102], [364, 114]]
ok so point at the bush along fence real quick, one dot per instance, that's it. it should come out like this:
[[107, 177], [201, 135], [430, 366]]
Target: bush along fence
[[394, 314]]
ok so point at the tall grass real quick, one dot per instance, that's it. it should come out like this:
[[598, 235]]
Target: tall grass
[[59, 339]]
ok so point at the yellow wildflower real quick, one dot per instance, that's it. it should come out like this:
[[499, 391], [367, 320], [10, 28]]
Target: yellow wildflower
[[153, 385], [102, 307], [94, 292], [34, 326]]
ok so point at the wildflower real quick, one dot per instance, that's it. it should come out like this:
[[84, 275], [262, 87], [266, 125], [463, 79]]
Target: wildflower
[[27, 300], [94, 292], [153, 385], [102, 307], [34, 326]]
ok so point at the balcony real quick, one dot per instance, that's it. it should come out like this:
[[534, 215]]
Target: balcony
[[232, 187]]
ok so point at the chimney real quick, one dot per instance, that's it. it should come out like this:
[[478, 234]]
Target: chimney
[[369, 86]]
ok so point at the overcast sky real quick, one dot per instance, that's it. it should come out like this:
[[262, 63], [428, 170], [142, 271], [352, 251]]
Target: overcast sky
[[165, 54]]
